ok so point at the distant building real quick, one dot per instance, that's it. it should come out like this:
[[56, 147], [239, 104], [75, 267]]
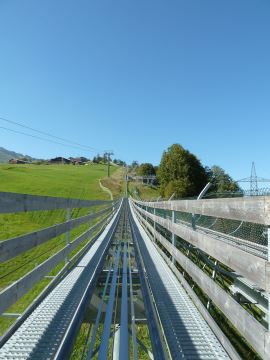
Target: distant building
[[146, 179], [60, 160], [17, 161], [77, 161]]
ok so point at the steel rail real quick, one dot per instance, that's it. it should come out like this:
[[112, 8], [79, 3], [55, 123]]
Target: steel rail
[[158, 347], [93, 338], [104, 345], [132, 312], [123, 350]]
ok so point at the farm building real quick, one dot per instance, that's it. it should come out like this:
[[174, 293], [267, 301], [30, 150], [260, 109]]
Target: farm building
[[60, 160]]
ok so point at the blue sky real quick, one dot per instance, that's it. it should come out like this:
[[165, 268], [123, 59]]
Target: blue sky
[[138, 76]]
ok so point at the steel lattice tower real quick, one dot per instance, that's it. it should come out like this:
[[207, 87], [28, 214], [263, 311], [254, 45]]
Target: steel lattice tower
[[253, 180]]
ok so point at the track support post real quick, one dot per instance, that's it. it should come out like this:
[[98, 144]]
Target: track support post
[[268, 258], [154, 225], [68, 217], [173, 235], [214, 275], [91, 224]]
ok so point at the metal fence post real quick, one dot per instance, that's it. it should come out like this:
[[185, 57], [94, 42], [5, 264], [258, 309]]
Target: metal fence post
[[173, 235], [68, 217], [202, 193], [268, 248], [193, 222], [154, 225], [91, 224], [214, 274]]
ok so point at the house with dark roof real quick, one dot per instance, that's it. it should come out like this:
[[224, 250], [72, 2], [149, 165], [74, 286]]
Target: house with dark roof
[[60, 160]]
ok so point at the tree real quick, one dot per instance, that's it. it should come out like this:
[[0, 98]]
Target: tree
[[221, 181], [180, 172], [99, 159], [119, 162], [84, 159], [146, 169], [134, 164]]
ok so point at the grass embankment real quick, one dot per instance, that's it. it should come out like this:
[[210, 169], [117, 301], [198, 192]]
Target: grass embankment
[[80, 182], [55, 180], [115, 183], [52, 180], [142, 191]]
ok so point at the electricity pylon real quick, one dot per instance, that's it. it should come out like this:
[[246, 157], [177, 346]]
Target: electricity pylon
[[253, 179]]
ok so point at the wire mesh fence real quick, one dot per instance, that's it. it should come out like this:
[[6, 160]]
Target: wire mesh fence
[[247, 295], [240, 193], [250, 237]]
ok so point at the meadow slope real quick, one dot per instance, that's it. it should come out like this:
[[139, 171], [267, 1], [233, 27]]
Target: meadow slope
[[51, 180]]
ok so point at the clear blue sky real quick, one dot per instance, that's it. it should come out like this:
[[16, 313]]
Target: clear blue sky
[[136, 76]]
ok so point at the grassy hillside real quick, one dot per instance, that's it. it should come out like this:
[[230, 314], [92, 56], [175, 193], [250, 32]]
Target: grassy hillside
[[115, 183], [6, 155], [140, 191], [52, 180]]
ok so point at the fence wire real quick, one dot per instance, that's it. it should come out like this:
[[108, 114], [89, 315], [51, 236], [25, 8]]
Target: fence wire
[[250, 237]]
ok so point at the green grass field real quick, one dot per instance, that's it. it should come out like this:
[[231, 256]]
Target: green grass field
[[80, 182], [52, 180], [55, 180]]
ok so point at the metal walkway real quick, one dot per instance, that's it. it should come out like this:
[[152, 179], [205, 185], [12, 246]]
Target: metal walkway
[[187, 333]]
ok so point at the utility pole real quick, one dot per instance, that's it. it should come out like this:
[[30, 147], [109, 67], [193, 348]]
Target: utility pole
[[126, 181], [108, 154]]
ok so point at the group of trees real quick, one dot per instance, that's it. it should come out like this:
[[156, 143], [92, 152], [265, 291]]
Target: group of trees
[[181, 172], [220, 180], [102, 159], [99, 159], [146, 169], [119, 162]]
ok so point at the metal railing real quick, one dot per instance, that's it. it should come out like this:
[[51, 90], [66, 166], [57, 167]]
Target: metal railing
[[244, 259], [17, 246]]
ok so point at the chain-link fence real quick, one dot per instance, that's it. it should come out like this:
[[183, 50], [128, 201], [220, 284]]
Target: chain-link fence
[[250, 237]]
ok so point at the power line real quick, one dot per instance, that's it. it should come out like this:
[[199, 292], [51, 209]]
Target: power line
[[78, 145], [43, 139]]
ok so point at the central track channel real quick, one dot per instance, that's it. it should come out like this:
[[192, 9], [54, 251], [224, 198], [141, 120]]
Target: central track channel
[[115, 324]]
